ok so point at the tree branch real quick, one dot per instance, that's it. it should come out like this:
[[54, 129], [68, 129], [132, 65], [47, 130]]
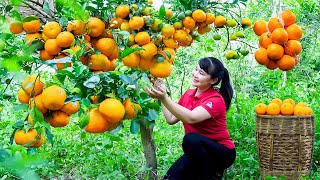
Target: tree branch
[[37, 10]]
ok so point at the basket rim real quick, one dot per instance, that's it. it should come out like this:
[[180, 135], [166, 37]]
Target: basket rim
[[283, 117]]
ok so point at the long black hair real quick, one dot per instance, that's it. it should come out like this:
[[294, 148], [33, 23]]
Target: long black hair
[[215, 69]]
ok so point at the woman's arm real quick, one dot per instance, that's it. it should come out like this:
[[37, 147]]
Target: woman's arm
[[171, 119]]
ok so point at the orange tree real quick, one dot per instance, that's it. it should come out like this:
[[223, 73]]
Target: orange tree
[[103, 54]]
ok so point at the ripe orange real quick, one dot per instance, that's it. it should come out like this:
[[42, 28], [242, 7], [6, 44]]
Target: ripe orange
[[286, 63], [167, 30], [23, 97], [292, 47], [65, 39], [288, 17], [246, 22], [157, 23], [289, 100], [260, 27], [106, 46], [122, 11], [209, 18], [112, 109], [136, 22], [145, 63], [44, 55], [125, 26], [113, 65], [71, 107], [16, 27], [32, 37], [261, 56], [160, 69], [31, 26], [53, 97], [273, 109], [170, 43], [59, 119], [274, 23], [31, 137], [220, 21], [116, 23], [294, 32], [286, 109], [180, 35], [131, 40], [299, 111], [275, 51], [51, 46], [261, 109], [131, 109], [198, 15], [95, 26], [51, 29], [132, 60], [308, 111], [277, 101], [303, 104], [142, 38], [279, 36], [32, 85], [97, 122], [99, 62], [188, 22], [265, 40], [169, 13], [149, 51], [38, 102], [76, 27], [272, 65]]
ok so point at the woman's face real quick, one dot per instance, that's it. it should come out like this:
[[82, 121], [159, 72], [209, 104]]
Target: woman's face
[[201, 79]]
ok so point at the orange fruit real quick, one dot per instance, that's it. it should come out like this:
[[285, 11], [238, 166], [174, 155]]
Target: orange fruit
[[220, 21], [265, 40], [260, 27], [303, 104], [32, 37], [149, 51], [38, 102], [178, 25], [131, 40], [23, 97], [167, 30], [51, 29], [122, 11], [44, 55], [294, 32], [76, 27], [288, 17], [199, 16], [274, 23], [132, 60], [99, 62], [65, 39], [114, 55], [261, 109], [188, 22], [142, 38], [116, 23], [180, 35], [289, 100], [273, 109], [170, 43], [275, 51], [279, 36], [106, 46], [95, 26], [97, 122], [31, 26], [31, 137], [169, 13], [52, 47], [171, 52], [44, 37], [156, 24], [136, 22], [286, 109], [209, 18], [160, 69], [261, 56], [292, 47], [15, 27], [246, 22], [277, 101], [59, 119], [308, 111], [53, 97], [125, 26], [131, 109], [286, 63], [145, 63], [32, 85], [113, 65], [112, 109], [272, 65], [71, 107], [299, 111]]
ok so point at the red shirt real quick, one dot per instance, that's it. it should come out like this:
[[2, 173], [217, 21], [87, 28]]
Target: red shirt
[[215, 127]]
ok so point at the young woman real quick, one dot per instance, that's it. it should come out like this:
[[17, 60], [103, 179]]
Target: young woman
[[208, 148]]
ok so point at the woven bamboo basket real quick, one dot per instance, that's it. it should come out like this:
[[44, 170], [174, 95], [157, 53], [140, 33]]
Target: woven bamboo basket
[[285, 145]]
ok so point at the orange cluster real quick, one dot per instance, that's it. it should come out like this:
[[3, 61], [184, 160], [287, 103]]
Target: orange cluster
[[49, 101], [288, 107], [109, 114], [279, 41]]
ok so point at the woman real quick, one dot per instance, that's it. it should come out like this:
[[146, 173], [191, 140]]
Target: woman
[[208, 148]]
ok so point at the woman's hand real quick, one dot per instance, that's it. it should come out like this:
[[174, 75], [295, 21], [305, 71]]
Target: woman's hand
[[158, 90]]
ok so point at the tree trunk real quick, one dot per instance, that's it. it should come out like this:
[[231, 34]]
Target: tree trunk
[[149, 149]]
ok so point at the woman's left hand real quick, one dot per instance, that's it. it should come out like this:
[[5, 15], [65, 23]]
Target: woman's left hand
[[157, 91]]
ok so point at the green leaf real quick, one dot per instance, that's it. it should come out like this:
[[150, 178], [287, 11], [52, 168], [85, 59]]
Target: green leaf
[[135, 126], [128, 51], [46, 7], [31, 151], [162, 11], [49, 136], [159, 58], [126, 79], [63, 21], [11, 64], [19, 107], [116, 129], [18, 125], [92, 82], [30, 18], [84, 120], [152, 115]]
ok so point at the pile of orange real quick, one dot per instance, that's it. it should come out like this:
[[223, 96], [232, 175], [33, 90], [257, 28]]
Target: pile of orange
[[110, 113], [279, 41], [288, 107]]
